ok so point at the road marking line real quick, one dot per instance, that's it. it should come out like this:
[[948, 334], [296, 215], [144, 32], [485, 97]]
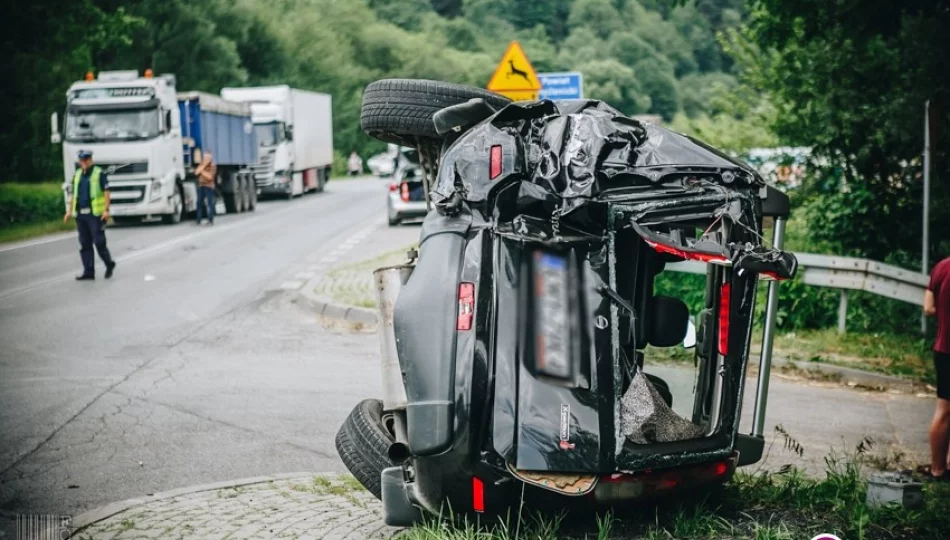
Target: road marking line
[[133, 255], [304, 275], [31, 243], [291, 285]]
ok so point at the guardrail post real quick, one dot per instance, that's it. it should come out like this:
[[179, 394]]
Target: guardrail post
[[843, 312], [768, 338]]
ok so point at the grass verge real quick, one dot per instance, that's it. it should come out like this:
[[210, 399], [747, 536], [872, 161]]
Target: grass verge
[[352, 284], [26, 231], [890, 354], [785, 504]]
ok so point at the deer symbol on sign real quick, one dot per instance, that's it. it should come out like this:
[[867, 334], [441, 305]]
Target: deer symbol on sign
[[512, 70]]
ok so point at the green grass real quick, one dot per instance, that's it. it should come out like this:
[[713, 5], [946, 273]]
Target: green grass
[[352, 284], [891, 354], [26, 231], [780, 505]]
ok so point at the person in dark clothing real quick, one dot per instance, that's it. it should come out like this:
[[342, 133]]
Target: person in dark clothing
[[937, 304], [89, 204]]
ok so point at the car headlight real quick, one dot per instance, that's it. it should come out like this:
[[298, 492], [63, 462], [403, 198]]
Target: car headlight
[[156, 190]]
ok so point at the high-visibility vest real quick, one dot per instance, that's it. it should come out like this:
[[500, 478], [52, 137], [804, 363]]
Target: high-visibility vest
[[96, 196]]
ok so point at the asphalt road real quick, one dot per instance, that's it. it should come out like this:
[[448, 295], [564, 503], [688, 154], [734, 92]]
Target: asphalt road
[[196, 364], [191, 365]]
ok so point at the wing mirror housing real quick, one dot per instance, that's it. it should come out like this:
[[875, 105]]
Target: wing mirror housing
[[462, 116], [54, 137]]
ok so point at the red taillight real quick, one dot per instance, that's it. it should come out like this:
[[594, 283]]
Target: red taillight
[[721, 468], [725, 294], [478, 495], [404, 192], [393, 187], [495, 168], [466, 306]]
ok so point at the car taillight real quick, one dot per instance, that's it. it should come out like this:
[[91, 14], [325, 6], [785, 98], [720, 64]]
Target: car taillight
[[466, 306], [495, 168], [393, 187], [725, 294], [478, 494], [404, 192]]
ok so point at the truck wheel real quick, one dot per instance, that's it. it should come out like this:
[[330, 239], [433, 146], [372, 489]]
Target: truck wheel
[[400, 111], [177, 208], [252, 193], [245, 194], [321, 181], [363, 444]]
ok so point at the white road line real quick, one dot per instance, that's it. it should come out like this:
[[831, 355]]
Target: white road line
[[31, 243], [134, 255], [291, 285]]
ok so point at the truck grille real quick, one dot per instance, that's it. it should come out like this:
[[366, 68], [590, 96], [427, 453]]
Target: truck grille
[[264, 171], [138, 167], [127, 194]]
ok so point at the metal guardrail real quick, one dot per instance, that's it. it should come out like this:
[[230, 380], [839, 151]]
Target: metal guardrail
[[848, 274]]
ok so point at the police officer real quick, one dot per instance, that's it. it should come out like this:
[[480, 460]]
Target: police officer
[[90, 205]]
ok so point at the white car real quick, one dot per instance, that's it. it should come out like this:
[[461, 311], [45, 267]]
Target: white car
[[407, 198], [393, 159]]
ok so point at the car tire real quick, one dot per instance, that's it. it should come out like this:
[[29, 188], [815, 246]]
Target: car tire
[[363, 444], [400, 111]]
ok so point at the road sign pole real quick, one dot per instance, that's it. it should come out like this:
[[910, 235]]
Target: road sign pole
[[925, 248]]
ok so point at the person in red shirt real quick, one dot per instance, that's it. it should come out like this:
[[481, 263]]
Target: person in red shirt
[[937, 303]]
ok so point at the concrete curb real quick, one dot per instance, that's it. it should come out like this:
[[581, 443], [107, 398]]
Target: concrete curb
[[333, 310], [91, 517]]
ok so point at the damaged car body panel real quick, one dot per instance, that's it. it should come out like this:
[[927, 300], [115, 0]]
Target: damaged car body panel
[[523, 331]]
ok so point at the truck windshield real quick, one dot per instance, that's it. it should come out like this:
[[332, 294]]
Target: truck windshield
[[268, 134], [111, 125]]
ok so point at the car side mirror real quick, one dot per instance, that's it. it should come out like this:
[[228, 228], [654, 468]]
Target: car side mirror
[[168, 121], [289, 133], [54, 137], [689, 342]]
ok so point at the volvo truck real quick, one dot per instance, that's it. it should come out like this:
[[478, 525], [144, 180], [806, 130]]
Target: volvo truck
[[145, 137]]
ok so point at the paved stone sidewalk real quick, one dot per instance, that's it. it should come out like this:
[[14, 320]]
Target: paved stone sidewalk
[[301, 507]]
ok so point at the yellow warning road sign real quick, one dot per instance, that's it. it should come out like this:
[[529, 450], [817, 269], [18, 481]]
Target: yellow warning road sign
[[514, 77]]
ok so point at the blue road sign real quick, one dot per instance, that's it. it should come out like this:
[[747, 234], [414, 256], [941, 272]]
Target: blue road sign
[[565, 85]]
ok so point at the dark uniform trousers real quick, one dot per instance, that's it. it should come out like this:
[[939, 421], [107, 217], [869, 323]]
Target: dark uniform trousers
[[92, 231]]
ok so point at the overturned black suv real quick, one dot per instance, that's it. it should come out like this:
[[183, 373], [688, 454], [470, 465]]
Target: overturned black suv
[[514, 349]]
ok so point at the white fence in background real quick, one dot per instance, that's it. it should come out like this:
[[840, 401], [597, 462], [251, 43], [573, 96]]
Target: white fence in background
[[848, 274]]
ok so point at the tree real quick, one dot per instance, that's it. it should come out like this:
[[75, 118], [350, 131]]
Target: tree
[[851, 79], [656, 78]]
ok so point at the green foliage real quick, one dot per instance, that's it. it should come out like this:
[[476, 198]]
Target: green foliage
[[30, 203], [851, 79], [631, 53]]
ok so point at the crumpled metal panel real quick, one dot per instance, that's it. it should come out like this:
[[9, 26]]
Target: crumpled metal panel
[[575, 149]]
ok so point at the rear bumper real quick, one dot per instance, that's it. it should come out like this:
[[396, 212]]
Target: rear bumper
[[159, 207], [401, 209]]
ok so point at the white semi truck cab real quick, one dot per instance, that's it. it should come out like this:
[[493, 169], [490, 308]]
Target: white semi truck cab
[[295, 132], [131, 124]]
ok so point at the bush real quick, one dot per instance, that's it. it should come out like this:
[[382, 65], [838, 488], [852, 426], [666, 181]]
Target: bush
[[30, 203]]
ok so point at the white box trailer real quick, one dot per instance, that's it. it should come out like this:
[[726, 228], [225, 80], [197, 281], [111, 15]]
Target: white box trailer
[[295, 130]]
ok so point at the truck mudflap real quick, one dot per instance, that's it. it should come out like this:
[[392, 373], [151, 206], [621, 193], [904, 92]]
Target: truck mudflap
[[425, 319]]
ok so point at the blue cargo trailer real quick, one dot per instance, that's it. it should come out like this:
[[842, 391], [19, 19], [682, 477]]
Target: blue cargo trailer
[[212, 124]]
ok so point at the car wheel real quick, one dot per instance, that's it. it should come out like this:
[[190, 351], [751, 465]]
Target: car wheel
[[252, 193], [400, 111], [363, 444]]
